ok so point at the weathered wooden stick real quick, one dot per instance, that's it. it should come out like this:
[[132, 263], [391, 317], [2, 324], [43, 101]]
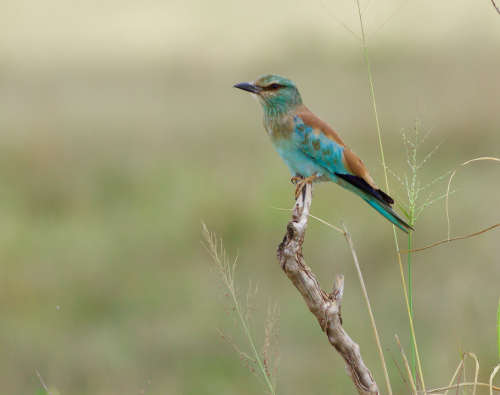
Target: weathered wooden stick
[[325, 307]]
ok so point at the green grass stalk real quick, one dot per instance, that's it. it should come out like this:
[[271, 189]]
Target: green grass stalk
[[411, 320], [412, 212], [373, 96], [412, 197], [410, 302], [410, 297], [386, 374]]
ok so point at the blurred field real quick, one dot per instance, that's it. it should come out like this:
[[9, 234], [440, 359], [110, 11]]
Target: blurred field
[[120, 132]]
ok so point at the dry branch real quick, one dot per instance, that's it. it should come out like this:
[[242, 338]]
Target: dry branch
[[325, 307]]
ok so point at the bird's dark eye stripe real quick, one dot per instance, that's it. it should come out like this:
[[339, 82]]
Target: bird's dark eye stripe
[[274, 86]]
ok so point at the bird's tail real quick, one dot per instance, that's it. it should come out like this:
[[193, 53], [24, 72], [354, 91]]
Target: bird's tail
[[387, 211]]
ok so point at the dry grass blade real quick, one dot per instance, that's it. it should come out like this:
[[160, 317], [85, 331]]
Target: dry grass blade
[[342, 23], [453, 239], [437, 390], [401, 373], [387, 20], [495, 371], [145, 388], [41, 381], [316, 218], [374, 21], [407, 366], [326, 223], [477, 369], [461, 366], [449, 183], [496, 7], [372, 319], [459, 376], [459, 369]]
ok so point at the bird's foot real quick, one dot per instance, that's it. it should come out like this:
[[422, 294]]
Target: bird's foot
[[296, 179], [301, 182]]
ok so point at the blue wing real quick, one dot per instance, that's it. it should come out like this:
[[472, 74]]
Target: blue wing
[[325, 152], [328, 154]]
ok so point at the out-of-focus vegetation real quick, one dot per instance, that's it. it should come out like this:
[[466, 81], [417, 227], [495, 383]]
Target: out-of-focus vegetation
[[120, 132]]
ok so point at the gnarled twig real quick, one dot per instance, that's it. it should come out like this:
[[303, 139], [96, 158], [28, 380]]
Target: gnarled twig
[[325, 307]]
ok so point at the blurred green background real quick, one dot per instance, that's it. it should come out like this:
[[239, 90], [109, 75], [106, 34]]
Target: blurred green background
[[120, 132]]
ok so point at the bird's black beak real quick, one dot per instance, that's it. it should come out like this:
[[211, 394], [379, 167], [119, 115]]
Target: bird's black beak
[[249, 87]]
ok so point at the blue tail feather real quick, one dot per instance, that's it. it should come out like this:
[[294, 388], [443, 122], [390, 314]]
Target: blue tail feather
[[387, 212]]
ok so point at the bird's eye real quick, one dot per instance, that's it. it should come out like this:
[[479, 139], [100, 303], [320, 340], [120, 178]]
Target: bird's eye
[[274, 86]]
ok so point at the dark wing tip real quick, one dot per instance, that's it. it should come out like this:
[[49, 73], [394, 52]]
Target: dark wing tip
[[364, 186], [385, 197]]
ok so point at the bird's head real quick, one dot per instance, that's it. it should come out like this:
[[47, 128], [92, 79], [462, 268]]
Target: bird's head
[[277, 94]]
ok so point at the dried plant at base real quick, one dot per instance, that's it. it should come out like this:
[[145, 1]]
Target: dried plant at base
[[414, 386], [264, 363]]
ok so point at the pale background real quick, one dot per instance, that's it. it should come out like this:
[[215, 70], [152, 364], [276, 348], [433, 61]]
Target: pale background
[[120, 132]]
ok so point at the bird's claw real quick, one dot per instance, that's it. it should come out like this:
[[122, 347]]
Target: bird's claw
[[301, 182], [296, 179]]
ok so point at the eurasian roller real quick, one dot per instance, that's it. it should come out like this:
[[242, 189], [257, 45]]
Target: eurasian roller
[[311, 149]]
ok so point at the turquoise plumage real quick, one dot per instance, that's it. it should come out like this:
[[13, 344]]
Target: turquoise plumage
[[311, 149]]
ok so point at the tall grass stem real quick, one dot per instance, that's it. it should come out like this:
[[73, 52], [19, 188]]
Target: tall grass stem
[[410, 297], [410, 301], [386, 374], [411, 320]]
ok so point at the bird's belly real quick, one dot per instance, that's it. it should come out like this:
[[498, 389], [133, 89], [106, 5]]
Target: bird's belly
[[297, 161]]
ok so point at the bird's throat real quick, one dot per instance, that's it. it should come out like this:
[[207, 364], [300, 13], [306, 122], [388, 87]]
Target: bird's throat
[[277, 106]]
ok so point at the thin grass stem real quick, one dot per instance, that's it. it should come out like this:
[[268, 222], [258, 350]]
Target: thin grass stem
[[411, 304], [386, 375], [411, 321], [407, 366], [496, 7], [452, 239], [372, 319], [401, 373], [222, 269], [373, 95]]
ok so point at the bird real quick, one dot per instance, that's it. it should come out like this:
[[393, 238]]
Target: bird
[[310, 147]]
